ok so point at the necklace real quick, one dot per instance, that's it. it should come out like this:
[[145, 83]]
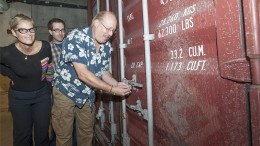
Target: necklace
[[26, 55], [28, 51]]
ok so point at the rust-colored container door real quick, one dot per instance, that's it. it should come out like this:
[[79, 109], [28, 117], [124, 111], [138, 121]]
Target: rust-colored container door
[[200, 73], [205, 73]]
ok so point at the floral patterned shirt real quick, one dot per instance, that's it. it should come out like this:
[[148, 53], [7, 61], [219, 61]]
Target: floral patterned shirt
[[79, 47]]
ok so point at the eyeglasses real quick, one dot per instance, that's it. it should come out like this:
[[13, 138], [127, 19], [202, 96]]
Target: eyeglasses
[[108, 29], [59, 30], [24, 30]]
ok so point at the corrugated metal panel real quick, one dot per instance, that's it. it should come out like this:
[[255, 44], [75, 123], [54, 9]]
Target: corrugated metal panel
[[193, 105], [201, 72]]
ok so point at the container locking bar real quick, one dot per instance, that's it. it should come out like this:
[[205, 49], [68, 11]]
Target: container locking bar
[[138, 107], [133, 82]]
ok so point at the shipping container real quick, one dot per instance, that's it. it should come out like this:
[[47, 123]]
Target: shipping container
[[195, 70]]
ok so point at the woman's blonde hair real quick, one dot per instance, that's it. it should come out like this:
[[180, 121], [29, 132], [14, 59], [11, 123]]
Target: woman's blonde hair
[[17, 19]]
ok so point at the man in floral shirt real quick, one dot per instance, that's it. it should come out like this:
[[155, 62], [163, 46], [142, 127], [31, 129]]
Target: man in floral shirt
[[84, 67]]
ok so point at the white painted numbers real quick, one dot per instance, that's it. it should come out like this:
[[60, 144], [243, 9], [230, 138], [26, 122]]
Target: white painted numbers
[[129, 41], [177, 63], [166, 29], [174, 66], [176, 54], [182, 59], [188, 58], [164, 2], [137, 64], [173, 23]]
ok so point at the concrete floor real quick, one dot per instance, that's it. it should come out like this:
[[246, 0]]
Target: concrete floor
[[6, 122], [6, 129]]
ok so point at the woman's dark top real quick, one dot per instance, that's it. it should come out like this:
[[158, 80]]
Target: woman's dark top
[[27, 73]]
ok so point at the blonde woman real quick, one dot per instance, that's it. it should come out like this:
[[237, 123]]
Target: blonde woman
[[27, 63]]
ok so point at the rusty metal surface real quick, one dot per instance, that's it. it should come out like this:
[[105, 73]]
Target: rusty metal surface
[[201, 74], [193, 104], [252, 21]]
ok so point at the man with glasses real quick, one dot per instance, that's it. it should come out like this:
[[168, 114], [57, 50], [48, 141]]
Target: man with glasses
[[83, 68], [56, 28]]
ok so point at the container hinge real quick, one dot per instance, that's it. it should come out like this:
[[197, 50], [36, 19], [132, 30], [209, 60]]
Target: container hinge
[[236, 70]]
